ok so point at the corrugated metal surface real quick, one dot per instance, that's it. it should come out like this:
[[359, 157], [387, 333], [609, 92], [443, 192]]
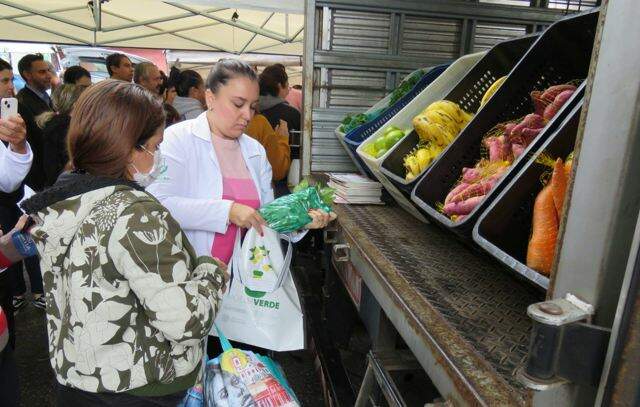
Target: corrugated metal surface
[[327, 152], [360, 31], [570, 5], [343, 35], [489, 34], [430, 37], [356, 89]]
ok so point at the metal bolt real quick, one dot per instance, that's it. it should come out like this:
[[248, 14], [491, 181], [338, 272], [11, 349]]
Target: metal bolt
[[550, 308]]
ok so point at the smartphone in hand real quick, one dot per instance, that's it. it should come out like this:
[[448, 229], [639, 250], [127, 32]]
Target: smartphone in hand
[[8, 108]]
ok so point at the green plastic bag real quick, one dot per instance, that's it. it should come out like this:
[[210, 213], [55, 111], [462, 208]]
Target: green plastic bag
[[290, 212]]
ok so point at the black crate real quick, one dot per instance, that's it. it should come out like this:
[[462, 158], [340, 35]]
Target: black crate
[[504, 228], [468, 93], [560, 55]]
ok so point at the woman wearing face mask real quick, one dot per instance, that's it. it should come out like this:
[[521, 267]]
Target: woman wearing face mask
[[217, 176], [128, 302]]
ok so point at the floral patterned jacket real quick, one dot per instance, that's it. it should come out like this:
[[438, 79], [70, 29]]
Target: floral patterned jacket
[[128, 302]]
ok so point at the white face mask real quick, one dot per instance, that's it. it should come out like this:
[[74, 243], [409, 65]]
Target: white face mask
[[144, 179]]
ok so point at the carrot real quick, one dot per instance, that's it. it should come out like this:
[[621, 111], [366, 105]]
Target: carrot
[[568, 164], [542, 244], [558, 185]]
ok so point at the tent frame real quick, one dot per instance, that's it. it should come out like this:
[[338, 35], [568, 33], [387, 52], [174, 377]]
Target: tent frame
[[98, 11]]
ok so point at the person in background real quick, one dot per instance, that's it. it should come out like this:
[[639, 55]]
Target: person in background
[[276, 144], [167, 90], [274, 88], [119, 67], [128, 300], [54, 130], [55, 79], [77, 75], [15, 161], [8, 375], [148, 76], [33, 100], [190, 89], [16, 158], [294, 97], [171, 113]]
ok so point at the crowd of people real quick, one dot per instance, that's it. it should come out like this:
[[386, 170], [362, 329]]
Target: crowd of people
[[141, 184]]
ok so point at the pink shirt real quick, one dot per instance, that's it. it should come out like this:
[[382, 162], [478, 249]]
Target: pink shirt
[[295, 98], [237, 186]]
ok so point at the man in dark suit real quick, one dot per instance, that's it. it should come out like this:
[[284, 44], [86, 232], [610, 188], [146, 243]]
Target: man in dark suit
[[33, 100]]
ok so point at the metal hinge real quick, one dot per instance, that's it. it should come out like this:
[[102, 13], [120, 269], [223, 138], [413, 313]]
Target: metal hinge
[[564, 345]]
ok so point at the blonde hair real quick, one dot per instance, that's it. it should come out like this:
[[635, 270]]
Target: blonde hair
[[63, 99]]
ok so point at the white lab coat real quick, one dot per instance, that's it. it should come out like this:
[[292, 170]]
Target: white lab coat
[[191, 187], [14, 167]]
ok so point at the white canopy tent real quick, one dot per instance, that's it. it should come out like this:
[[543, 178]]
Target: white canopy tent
[[197, 25]]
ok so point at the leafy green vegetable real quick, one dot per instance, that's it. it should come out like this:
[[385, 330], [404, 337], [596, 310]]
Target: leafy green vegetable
[[290, 212], [405, 87]]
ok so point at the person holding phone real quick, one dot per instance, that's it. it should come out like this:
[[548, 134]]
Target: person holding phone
[[15, 161], [15, 153]]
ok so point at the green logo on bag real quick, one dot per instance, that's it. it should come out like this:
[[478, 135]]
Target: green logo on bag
[[254, 294]]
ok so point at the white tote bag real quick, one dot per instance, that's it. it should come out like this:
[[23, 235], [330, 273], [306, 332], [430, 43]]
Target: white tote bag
[[259, 261], [262, 308]]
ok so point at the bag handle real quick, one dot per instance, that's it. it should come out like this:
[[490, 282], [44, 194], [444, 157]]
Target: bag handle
[[283, 273], [226, 345]]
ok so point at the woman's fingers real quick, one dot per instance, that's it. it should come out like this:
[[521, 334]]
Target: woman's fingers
[[320, 219], [21, 222]]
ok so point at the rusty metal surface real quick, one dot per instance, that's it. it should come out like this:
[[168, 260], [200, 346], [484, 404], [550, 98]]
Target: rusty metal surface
[[472, 311]]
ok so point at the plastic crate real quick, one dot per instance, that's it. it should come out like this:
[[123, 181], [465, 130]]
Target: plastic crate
[[466, 92], [561, 54], [439, 87], [355, 137], [503, 229]]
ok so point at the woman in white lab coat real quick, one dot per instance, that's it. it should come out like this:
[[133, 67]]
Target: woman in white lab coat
[[216, 176]]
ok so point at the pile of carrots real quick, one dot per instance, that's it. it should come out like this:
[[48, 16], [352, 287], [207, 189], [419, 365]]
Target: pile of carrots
[[547, 212]]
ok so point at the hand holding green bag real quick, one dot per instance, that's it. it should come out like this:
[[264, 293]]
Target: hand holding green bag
[[291, 212]]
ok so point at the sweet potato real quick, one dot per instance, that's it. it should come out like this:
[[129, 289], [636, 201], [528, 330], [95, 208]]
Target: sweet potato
[[479, 188], [538, 103], [499, 148], [471, 175], [530, 121], [557, 104], [551, 92], [508, 128], [528, 135], [456, 190], [463, 207], [517, 149]]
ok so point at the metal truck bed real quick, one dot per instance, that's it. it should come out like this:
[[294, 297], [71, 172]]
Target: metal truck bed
[[461, 314]]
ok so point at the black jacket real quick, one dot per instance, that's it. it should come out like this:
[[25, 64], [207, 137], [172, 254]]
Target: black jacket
[[31, 106], [54, 147], [283, 111]]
